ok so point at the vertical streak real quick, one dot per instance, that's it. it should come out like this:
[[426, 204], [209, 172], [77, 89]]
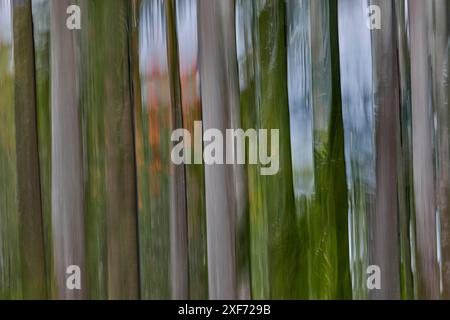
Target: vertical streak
[[178, 223], [330, 214], [218, 74], [299, 71], [120, 170], [186, 13], [29, 197], [422, 123], [440, 51], [41, 33], [152, 134], [10, 270], [384, 222], [67, 172], [133, 43], [359, 130], [255, 232], [337, 159], [405, 171]]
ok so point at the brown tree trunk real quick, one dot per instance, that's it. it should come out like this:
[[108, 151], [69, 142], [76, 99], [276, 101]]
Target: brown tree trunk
[[29, 197], [178, 222], [384, 223], [422, 124]]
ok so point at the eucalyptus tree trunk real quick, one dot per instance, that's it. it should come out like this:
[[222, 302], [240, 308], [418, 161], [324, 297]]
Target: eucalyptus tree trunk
[[28, 181], [10, 260], [67, 170], [383, 236], [41, 34], [123, 281], [187, 36], [439, 44], [257, 229], [220, 109], [317, 147], [422, 123], [264, 105], [405, 156], [178, 223], [107, 118], [359, 131], [299, 55], [370, 85]]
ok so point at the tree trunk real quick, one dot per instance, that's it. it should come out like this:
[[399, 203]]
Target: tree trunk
[[422, 124], [67, 169], [219, 90]]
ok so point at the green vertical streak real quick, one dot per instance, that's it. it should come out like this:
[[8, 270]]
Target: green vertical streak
[[317, 146], [275, 242], [195, 180], [299, 55], [283, 255], [108, 143], [141, 178], [406, 183], [328, 223], [92, 56], [28, 180], [10, 266], [123, 280], [249, 118], [41, 29], [282, 238], [152, 136], [337, 162]]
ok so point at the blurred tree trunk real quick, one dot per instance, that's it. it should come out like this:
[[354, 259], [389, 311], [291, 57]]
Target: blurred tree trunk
[[153, 128], [120, 180], [220, 104], [187, 36], [178, 218], [264, 105], [405, 156], [41, 33], [111, 213], [29, 197], [355, 49], [439, 44], [317, 146], [384, 241], [422, 123], [67, 169], [10, 264]]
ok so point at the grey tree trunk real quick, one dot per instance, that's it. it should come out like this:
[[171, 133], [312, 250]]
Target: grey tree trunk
[[440, 46], [67, 172], [422, 123], [178, 222], [220, 102], [384, 222]]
